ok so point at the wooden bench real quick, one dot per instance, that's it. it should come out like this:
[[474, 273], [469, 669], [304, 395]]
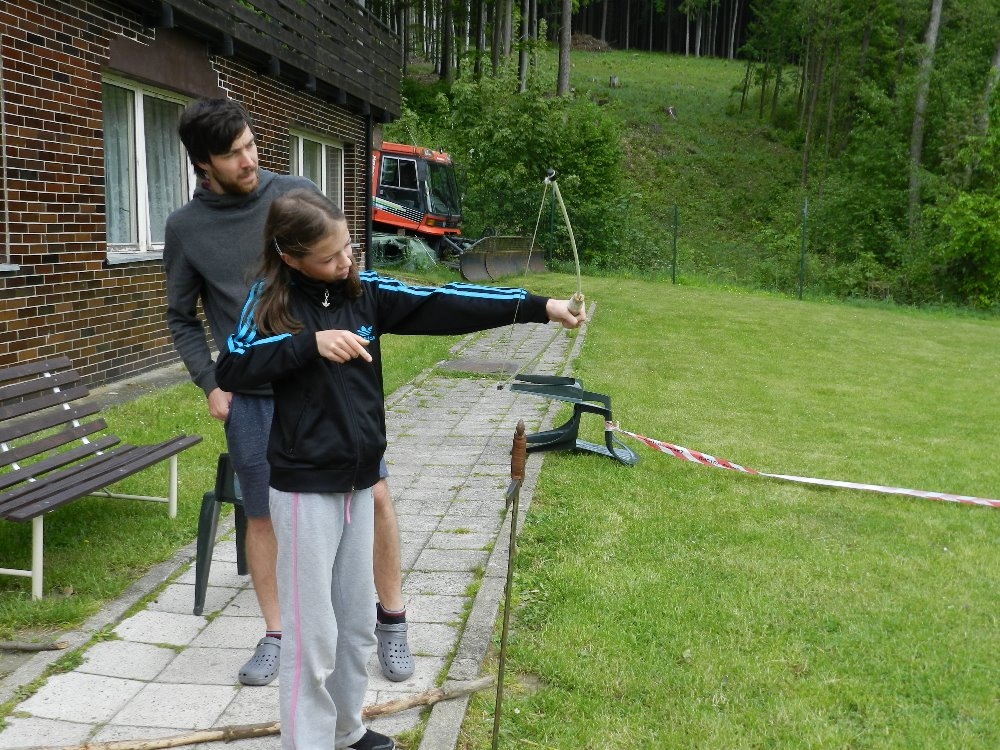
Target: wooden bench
[[50, 455]]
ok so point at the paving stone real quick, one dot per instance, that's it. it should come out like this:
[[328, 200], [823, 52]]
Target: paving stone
[[80, 697], [150, 626], [185, 706], [244, 604], [26, 732], [231, 632], [253, 705], [432, 559], [207, 666], [434, 608], [127, 659]]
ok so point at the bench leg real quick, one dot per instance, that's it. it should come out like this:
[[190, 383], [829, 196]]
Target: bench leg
[[208, 522], [172, 489], [37, 556]]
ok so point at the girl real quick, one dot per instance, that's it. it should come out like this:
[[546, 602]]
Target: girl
[[310, 328]]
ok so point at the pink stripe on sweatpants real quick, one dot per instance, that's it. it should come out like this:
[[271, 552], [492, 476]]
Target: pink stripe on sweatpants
[[298, 626]]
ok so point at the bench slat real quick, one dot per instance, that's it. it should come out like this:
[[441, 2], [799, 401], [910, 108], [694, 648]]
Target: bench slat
[[46, 421], [35, 367], [38, 385], [57, 460], [127, 461], [20, 408]]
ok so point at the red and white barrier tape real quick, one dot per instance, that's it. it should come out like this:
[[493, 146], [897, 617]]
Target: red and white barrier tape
[[697, 457]]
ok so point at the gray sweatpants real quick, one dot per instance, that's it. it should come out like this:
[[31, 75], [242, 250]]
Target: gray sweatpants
[[327, 596]]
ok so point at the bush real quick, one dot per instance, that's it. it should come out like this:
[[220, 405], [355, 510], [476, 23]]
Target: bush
[[504, 143]]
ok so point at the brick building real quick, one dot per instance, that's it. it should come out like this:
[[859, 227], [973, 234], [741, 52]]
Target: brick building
[[91, 162]]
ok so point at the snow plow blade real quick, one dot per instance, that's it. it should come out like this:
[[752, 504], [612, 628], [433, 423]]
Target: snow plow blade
[[492, 258]]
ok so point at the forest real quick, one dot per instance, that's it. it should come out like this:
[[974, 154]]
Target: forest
[[890, 107]]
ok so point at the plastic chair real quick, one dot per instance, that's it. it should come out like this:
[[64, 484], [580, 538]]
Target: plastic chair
[[226, 491]]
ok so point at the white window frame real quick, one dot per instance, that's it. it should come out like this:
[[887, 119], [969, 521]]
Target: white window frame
[[295, 140], [145, 248]]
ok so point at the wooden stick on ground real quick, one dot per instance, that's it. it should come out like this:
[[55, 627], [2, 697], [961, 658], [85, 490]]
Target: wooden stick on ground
[[249, 731], [23, 646]]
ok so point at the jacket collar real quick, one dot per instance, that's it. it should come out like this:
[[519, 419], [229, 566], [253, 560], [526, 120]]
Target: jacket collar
[[319, 293]]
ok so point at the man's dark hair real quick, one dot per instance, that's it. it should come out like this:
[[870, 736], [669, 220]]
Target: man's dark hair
[[209, 126]]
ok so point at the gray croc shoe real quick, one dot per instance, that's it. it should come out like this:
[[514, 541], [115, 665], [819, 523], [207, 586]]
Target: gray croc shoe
[[263, 665], [393, 651]]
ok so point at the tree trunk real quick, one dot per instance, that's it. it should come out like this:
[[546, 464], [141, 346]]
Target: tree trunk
[[920, 112], [983, 121], [477, 32], [628, 20], [815, 85], [497, 37], [565, 42], [447, 39], [746, 85], [732, 29], [776, 95], [522, 52], [604, 20], [650, 42], [508, 26]]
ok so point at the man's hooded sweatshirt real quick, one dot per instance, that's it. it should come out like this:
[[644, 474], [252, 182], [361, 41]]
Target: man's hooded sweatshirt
[[211, 250], [328, 431]]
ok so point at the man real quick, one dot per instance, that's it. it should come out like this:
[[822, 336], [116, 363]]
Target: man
[[211, 250]]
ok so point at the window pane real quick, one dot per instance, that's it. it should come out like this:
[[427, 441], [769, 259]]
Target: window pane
[[390, 172], [119, 180], [165, 169], [335, 175], [312, 161], [294, 166], [408, 174]]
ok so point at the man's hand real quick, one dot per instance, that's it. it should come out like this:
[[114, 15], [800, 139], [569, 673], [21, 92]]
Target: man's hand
[[218, 403], [342, 346], [559, 312]]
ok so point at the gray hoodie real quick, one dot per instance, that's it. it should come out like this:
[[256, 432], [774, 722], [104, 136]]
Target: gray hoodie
[[211, 249]]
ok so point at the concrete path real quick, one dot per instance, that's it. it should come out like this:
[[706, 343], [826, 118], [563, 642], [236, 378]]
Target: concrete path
[[166, 671]]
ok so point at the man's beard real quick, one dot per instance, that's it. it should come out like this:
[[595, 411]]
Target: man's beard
[[236, 187]]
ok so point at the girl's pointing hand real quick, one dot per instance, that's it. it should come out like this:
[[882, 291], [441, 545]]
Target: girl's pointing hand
[[342, 346]]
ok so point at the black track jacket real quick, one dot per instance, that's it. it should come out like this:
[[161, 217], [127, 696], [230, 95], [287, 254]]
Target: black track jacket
[[328, 432]]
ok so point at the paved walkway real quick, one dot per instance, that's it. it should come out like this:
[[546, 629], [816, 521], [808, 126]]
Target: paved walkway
[[167, 671]]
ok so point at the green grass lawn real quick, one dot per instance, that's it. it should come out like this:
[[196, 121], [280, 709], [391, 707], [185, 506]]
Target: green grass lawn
[[673, 605]]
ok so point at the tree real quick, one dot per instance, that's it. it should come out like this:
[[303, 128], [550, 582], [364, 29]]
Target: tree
[[920, 111]]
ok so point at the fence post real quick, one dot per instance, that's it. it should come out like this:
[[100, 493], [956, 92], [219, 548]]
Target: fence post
[[802, 258], [673, 265]]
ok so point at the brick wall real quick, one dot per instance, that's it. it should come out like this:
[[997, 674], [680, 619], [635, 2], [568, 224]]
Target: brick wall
[[63, 299]]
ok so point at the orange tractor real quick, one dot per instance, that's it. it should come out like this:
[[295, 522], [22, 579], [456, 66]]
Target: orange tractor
[[415, 194]]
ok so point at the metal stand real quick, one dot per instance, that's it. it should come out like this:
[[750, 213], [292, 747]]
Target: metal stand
[[565, 437]]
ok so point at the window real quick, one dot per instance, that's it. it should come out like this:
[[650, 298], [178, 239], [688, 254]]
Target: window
[[398, 181], [146, 172], [322, 162]]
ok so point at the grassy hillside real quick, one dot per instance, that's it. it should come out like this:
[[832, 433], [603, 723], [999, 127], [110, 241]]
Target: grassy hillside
[[726, 172]]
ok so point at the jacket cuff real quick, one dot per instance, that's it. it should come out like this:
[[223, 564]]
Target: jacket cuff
[[206, 381], [305, 346]]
